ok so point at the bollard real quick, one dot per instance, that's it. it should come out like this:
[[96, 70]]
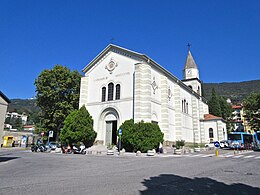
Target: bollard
[[216, 152]]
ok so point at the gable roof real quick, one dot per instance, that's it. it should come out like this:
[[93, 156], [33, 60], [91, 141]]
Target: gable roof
[[208, 117], [4, 97], [190, 62], [142, 57]]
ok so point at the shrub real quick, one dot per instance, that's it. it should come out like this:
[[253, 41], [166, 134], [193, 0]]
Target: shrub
[[78, 127], [140, 136], [180, 143]]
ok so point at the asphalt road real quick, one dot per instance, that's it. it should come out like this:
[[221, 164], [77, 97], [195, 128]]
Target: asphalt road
[[24, 172]]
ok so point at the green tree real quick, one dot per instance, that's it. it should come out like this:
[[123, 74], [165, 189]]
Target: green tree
[[214, 105], [7, 120], [140, 136], [57, 95], [252, 110], [218, 106], [18, 124], [226, 112], [78, 127]]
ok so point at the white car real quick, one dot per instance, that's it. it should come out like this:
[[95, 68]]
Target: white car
[[210, 145]]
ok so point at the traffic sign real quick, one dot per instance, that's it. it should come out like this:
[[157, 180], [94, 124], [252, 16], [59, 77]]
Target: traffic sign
[[50, 133], [120, 132], [216, 144]]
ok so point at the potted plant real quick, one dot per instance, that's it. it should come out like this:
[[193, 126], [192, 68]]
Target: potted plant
[[179, 145], [110, 149]]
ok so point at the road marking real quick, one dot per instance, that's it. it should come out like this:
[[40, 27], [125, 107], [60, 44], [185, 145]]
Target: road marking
[[238, 156], [250, 156], [257, 157], [208, 155], [228, 155], [1, 163], [197, 155]]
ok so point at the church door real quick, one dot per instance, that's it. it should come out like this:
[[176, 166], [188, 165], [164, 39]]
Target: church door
[[111, 128]]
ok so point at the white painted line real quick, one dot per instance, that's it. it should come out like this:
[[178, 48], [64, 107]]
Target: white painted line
[[197, 155], [2, 163], [228, 155], [208, 155], [188, 155], [258, 157], [250, 156], [238, 156]]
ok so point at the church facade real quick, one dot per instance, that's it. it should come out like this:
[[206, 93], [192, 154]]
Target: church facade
[[120, 84]]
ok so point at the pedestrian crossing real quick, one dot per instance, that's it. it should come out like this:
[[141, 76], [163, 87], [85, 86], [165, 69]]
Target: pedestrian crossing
[[233, 156]]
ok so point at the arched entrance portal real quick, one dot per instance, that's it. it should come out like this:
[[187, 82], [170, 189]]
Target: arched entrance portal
[[110, 118]]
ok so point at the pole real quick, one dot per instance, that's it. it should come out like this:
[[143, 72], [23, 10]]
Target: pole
[[119, 144]]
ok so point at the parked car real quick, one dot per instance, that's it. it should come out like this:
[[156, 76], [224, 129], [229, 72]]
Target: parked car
[[52, 145], [210, 145], [224, 144]]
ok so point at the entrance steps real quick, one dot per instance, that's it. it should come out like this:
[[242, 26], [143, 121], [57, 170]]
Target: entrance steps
[[97, 149]]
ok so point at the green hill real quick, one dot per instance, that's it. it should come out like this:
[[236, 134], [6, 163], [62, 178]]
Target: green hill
[[235, 91], [27, 106]]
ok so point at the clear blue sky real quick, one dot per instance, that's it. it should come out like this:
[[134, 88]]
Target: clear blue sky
[[36, 35]]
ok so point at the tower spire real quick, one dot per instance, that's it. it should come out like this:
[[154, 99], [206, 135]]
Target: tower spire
[[189, 45]]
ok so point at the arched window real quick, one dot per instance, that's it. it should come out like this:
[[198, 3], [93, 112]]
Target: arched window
[[187, 111], [117, 92], [103, 98], [198, 90], [184, 106], [110, 91], [182, 109], [211, 135]]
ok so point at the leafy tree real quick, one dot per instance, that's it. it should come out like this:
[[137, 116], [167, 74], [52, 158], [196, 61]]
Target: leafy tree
[[218, 106], [252, 110], [214, 105], [7, 120], [57, 95], [78, 127], [140, 136], [226, 112]]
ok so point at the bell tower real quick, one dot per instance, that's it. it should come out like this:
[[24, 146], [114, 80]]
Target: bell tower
[[191, 73]]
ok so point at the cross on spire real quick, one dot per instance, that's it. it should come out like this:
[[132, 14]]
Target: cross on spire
[[189, 45], [112, 40]]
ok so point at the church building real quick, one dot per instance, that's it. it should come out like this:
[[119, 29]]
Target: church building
[[120, 84]]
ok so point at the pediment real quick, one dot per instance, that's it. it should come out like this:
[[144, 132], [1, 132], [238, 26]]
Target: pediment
[[112, 64]]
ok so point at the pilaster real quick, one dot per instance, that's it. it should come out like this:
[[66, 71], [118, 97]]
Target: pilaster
[[142, 92], [83, 100]]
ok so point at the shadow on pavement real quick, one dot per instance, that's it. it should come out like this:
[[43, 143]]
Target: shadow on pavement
[[4, 159], [173, 184]]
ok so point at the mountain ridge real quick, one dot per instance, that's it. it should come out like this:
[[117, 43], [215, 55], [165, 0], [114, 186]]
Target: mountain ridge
[[236, 91]]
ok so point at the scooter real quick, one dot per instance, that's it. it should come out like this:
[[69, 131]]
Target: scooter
[[80, 150], [34, 148], [38, 148]]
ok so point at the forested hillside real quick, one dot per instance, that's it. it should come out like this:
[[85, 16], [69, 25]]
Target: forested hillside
[[235, 91], [23, 105]]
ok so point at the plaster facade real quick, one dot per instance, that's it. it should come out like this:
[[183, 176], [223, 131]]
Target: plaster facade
[[120, 84]]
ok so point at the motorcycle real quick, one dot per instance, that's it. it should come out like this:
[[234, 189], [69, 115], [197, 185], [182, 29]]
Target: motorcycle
[[38, 148], [79, 150], [34, 148]]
